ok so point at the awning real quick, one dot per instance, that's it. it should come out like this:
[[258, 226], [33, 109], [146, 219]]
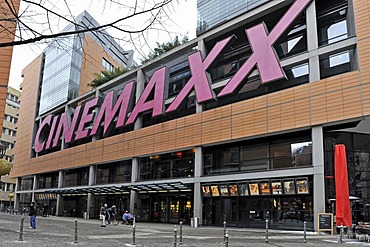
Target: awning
[[125, 189], [161, 187]]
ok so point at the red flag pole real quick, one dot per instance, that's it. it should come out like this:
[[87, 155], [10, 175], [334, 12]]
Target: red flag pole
[[343, 207]]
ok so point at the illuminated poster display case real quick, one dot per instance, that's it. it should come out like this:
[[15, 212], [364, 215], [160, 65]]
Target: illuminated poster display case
[[206, 191], [253, 189], [276, 187], [243, 189], [302, 185], [289, 187], [224, 191], [214, 190], [233, 189], [265, 188]]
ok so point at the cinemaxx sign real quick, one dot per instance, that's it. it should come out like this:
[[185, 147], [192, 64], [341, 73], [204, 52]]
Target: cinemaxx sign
[[53, 127]]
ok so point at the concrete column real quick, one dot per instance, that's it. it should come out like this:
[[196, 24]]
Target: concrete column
[[312, 43], [318, 170], [17, 198], [134, 196], [203, 51], [34, 186], [198, 171], [90, 208], [60, 199], [140, 85]]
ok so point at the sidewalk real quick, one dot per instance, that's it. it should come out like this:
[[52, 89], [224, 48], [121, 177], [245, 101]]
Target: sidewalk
[[60, 231]]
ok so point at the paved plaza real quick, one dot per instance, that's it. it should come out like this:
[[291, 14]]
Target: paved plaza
[[60, 231]]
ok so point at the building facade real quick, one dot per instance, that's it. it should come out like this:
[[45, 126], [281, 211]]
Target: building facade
[[8, 136], [238, 124], [8, 26]]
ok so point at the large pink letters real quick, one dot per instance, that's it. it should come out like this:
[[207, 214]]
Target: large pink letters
[[109, 112], [157, 104], [263, 53], [37, 145], [199, 78], [263, 57]]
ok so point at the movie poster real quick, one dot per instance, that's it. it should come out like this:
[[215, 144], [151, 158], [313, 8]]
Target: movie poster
[[214, 190], [233, 189], [253, 189], [265, 188], [243, 189], [206, 191], [289, 187], [277, 188], [224, 191], [302, 185]]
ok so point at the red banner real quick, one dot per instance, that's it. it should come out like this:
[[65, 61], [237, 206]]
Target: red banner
[[343, 207]]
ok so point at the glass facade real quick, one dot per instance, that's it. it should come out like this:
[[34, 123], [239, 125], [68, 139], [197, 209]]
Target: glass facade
[[76, 177], [358, 161], [117, 172], [49, 180], [281, 153], [286, 203], [173, 165], [61, 74], [213, 12]]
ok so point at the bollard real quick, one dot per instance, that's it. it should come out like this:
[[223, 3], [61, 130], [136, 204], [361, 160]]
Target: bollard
[[224, 231], [353, 231], [180, 241], [133, 233], [267, 231], [304, 232], [175, 236], [227, 238], [21, 229], [75, 232], [341, 234]]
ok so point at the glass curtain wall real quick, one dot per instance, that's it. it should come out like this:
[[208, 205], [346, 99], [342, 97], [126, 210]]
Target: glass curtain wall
[[257, 155]]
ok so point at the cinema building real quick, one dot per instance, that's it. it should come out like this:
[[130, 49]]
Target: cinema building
[[238, 124]]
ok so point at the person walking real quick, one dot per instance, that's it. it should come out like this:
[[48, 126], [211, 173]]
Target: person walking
[[32, 214], [103, 215], [45, 210]]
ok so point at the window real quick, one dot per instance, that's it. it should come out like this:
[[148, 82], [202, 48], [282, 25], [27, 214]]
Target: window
[[332, 21], [114, 172], [338, 63], [10, 119], [107, 65], [280, 152], [171, 165]]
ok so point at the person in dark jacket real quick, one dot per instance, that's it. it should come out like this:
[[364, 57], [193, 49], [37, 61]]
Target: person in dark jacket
[[32, 214]]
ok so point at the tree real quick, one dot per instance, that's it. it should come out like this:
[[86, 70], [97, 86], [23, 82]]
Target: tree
[[104, 76], [5, 167], [164, 47], [40, 21]]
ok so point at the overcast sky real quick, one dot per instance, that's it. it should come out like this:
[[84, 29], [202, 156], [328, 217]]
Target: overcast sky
[[183, 14]]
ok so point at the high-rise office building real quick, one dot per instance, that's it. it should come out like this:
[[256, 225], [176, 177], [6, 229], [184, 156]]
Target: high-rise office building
[[68, 63], [214, 12], [239, 124]]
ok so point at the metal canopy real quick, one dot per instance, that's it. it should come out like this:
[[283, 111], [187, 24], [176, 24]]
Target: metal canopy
[[142, 188], [161, 187]]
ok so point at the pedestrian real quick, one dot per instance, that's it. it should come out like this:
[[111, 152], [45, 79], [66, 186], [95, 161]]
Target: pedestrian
[[103, 215], [32, 214], [45, 210], [127, 218]]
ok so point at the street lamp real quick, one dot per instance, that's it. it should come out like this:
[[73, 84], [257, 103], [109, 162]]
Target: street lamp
[[2, 149]]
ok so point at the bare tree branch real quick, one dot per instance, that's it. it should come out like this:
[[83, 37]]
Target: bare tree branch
[[154, 10]]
